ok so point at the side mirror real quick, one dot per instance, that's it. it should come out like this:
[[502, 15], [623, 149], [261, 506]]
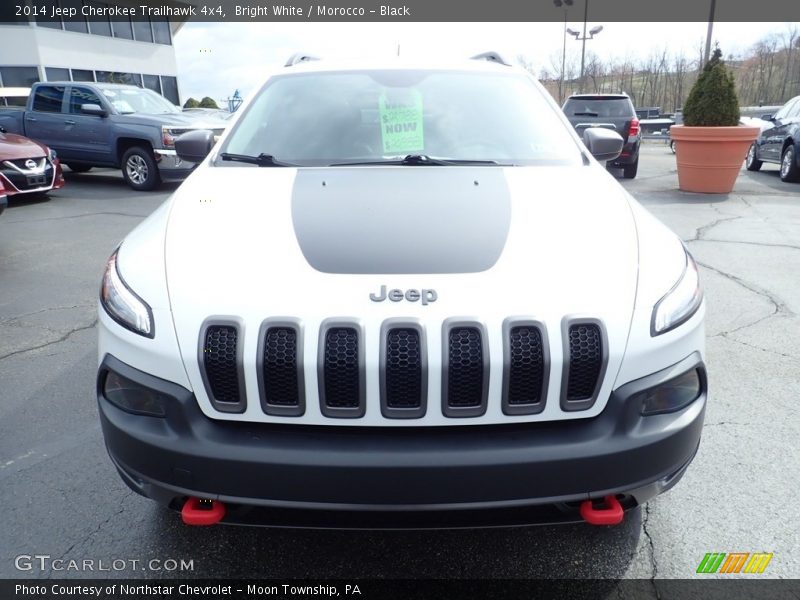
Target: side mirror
[[93, 109], [767, 118], [194, 146], [603, 144]]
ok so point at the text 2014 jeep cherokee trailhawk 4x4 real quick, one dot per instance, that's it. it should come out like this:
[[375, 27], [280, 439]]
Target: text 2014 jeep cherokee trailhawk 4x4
[[401, 294]]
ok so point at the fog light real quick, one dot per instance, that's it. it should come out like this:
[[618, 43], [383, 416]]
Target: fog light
[[132, 397], [673, 395]]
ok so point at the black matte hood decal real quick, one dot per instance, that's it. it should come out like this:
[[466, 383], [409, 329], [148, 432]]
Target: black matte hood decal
[[401, 219]]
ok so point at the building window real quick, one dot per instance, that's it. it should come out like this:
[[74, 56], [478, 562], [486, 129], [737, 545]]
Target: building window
[[80, 96], [122, 28], [151, 82], [116, 77], [18, 76], [142, 31], [77, 24], [169, 85], [161, 32], [82, 75], [56, 74], [48, 98], [99, 25]]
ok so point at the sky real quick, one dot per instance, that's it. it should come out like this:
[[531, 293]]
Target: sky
[[215, 59]]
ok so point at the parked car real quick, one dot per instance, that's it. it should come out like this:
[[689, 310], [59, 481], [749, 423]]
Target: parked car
[[108, 125], [375, 303], [27, 167], [610, 111], [3, 198], [779, 142]]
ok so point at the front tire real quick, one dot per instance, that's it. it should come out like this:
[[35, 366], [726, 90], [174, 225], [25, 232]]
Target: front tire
[[139, 169], [789, 170], [629, 171], [751, 162]]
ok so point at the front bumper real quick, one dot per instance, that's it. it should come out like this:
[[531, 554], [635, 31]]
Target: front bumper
[[170, 166], [332, 476]]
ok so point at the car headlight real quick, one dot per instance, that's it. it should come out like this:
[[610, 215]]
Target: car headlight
[[680, 303], [121, 302], [52, 154], [675, 394]]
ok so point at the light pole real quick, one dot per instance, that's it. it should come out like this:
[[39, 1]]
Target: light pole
[[565, 4], [582, 38], [710, 31]]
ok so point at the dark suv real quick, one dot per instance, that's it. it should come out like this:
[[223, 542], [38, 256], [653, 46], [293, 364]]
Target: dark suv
[[779, 142], [611, 111]]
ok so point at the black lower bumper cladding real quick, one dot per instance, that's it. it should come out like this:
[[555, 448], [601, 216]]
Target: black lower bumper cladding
[[345, 476]]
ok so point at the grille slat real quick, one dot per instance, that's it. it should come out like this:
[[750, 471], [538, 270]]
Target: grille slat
[[586, 361], [220, 361], [341, 385], [280, 367], [467, 371], [526, 367], [403, 371]]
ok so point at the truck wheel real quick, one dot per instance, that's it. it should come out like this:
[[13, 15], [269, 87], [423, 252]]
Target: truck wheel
[[751, 162], [139, 169], [629, 171], [789, 171], [79, 168]]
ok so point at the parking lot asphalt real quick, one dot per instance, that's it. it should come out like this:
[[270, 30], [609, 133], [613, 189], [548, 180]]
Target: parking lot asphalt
[[62, 497]]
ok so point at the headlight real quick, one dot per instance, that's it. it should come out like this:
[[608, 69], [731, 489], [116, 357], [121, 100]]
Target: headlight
[[673, 395], [680, 303], [122, 304], [52, 154]]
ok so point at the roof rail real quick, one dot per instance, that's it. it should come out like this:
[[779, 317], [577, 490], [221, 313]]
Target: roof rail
[[491, 56], [300, 57]]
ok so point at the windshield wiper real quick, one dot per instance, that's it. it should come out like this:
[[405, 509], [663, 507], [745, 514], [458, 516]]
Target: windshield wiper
[[262, 160], [585, 114], [418, 160]]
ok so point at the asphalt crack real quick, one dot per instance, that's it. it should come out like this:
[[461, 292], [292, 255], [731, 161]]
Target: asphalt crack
[[753, 346], [653, 561], [42, 311], [66, 217], [701, 231], [63, 338]]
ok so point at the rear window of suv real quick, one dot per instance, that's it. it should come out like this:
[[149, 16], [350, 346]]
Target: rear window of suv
[[600, 106]]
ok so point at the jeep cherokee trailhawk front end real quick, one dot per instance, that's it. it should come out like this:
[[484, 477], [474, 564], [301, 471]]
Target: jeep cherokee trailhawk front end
[[401, 295]]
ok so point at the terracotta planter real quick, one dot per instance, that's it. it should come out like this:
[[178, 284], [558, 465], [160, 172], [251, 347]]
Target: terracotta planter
[[709, 158]]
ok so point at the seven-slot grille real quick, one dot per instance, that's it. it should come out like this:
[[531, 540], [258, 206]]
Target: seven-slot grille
[[403, 368]]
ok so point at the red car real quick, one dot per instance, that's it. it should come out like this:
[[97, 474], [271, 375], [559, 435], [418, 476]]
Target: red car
[[27, 167]]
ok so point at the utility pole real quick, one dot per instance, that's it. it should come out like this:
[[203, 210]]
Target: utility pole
[[708, 35], [565, 4], [583, 49]]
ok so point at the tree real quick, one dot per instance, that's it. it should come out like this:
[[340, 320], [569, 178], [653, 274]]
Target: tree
[[191, 103], [712, 102], [208, 103]]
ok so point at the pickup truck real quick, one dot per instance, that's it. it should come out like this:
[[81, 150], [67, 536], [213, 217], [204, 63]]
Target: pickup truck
[[108, 125]]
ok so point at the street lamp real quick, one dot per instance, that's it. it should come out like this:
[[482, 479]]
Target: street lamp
[[592, 32], [565, 4]]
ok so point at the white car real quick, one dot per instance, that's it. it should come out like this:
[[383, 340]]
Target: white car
[[401, 294]]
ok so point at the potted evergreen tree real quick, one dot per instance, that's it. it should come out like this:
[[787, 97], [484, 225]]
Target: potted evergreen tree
[[711, 144]]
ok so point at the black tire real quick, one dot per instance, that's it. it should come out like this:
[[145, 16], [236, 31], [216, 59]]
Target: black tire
[[751, 162], [139, 169], [78, 168], [672, 146], [629, 171], [789, 170]]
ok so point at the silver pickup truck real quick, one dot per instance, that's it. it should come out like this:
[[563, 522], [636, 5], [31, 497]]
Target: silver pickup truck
[[108, 125]]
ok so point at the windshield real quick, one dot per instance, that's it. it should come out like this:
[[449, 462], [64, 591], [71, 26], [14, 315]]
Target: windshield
[[136, 100], [381, 116]]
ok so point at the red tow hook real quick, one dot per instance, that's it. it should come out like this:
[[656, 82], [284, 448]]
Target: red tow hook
[[202, 512], [610, 514]]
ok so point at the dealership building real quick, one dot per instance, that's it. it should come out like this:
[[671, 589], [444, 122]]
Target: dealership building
[[139, 51]]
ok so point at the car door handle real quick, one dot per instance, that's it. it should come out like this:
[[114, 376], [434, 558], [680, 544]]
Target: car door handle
[[68, 122], [31, 119]]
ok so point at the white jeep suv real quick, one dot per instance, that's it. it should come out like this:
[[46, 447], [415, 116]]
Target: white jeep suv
[[401, 294]]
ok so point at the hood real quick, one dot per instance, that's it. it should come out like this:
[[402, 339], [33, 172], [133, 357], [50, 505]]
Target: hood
[[470, 243], [179, 119], [15, 147]]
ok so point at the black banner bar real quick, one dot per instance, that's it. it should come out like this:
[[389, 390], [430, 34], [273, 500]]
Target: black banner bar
[[21, 11]]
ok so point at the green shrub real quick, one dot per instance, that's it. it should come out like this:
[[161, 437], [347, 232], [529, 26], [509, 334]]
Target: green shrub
[[712, 101], [208, 103], [191, 103]]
